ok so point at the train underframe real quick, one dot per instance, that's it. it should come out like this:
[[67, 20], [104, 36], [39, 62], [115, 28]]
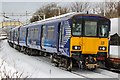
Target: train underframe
[[82, 61]]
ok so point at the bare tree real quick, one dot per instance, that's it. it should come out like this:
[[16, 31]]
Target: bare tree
[[118, 9], [80, 6], [109, 9], [49, 10]]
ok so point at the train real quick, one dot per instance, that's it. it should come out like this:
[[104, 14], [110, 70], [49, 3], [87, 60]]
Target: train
[[72, 39]]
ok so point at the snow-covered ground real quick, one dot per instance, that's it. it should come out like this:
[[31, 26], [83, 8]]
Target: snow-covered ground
[[30, 66], [6, 70], [2, 37], [35, 67]]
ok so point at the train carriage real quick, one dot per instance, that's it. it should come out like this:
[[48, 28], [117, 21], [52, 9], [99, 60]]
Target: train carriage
[[71, 38], [11, 37], [16, 37]]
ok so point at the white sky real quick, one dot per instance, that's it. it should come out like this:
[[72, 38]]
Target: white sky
[[21, 6], [57, 0]]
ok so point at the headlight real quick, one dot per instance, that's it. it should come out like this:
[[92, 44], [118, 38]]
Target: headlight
[[76, 47], [102, 48]]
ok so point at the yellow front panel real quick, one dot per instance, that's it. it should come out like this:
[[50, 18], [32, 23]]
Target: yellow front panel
[[75, 41], [103, 42], [90, 45]]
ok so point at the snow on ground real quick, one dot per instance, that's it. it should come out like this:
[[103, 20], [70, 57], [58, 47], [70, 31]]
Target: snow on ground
[[35, 67], [2, 37], [6, 70], [114, 51], [30, 66]]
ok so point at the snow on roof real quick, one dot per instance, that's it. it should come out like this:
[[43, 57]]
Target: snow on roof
[[64, 16], [115, 23]]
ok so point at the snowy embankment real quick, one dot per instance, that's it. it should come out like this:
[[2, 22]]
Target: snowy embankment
[[7, 71], [30, 66], [2, 37], [39, 67]]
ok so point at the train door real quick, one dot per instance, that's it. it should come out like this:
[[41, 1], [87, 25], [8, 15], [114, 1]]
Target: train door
[[61, 35], [90, 41], [18, 35], [43, 36], [64, 40], [13, 36], [26, 36]]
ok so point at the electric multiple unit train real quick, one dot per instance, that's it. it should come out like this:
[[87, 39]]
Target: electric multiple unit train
[[69, 39]]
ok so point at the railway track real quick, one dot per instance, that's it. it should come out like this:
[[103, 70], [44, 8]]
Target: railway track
[[112, 70], [83, 73], [48, 61]]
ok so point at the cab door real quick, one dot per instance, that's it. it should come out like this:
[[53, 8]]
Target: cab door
[[90, 39]]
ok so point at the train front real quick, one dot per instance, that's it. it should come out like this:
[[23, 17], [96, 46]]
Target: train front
[[89, 44]]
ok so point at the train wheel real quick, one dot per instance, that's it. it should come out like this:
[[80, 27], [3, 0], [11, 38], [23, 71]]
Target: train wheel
[[52, 58], [44, 54], [56, 64], [40, 53], [24, 50], [30, 52], [68, 64]]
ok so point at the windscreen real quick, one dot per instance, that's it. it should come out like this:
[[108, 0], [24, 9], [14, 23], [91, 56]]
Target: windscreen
[[90, 28], [77, 28]]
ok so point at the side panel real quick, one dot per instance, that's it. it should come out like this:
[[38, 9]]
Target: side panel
[[22, 39], [33, 39], [12, 36], [64, 40], [49, 37], [16, 36]]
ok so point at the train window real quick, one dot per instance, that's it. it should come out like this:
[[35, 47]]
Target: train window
[[103, 30], [50, 35], [35, 33], [76, 28], [90, 28]]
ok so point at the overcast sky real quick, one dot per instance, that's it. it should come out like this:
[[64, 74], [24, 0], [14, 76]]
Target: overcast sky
[[21, 6]]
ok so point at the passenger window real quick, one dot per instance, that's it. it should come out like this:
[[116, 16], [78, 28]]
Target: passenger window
[[50, 35], [35, 33]]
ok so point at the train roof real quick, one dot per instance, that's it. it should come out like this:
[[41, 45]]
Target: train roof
[[61, 17]]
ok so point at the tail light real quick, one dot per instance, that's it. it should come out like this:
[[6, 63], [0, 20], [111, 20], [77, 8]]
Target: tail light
[[100, 58]]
